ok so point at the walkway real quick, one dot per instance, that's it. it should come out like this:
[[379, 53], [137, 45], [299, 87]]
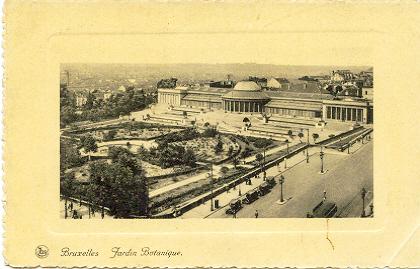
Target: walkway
[[205, 175]]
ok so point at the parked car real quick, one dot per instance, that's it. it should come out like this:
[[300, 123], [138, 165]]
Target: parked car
[[264, 188], [271, 181], [234, 206], [250, 196]]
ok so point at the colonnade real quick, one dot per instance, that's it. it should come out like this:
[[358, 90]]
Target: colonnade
[[243, 106], [346, 113]]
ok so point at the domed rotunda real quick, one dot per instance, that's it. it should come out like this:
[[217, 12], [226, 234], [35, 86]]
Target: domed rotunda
[[246, 96]]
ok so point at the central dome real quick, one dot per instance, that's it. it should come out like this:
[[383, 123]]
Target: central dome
[[246, 90], [247, 86]]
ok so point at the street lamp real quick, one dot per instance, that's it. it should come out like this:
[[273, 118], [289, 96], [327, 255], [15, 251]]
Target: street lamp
[[363, 193], [211, 181], [307, 149], [321, 155], [263, 166], [281, 181], [348, 148]]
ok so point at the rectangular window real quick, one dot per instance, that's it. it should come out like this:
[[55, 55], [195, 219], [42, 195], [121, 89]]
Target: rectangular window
[[344, 116], [359, 115], [338, 113], [349, 114]]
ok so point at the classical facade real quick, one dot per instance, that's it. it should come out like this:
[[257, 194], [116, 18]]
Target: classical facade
[[248, 97]]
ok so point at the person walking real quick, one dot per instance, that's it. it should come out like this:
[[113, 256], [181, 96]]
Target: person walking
[[325, 195], [256, 214]]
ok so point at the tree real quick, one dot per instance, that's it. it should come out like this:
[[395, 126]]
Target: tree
[[235, 162], [67, 188], [89, 144], [171, 155], [315, 136], [90, 100], [245, 153], [67, 115], [184, 114], [121, 185], [290, 133], [189, 158], [259, 158], [230, 151], [210, 132], [142, 152], [219, 147], [69, 156], [300, 135]]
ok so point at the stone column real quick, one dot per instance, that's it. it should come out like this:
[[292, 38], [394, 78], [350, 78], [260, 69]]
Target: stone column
[[324, 112]]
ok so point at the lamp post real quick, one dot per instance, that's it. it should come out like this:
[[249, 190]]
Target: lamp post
[[348, 148], [321, 155], [264, 173], [363, 193], [211, 181], [307, 149], [281, 181]]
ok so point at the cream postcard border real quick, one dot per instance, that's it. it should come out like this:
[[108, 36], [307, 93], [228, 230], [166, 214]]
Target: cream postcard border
[[40, 35]]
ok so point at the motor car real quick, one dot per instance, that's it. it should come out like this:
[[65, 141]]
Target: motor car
[[234, 206], [250, 196], [264, 188]]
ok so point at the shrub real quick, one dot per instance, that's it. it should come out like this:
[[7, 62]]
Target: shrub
[[224, 170], [262, 142]]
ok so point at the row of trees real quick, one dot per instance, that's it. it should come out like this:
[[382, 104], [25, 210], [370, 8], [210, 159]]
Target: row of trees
[[97, 108]]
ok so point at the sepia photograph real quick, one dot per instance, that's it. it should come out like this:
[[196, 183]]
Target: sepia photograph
[[240, 140]]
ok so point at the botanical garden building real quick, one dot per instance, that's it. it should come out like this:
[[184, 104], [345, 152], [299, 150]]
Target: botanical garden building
[[248, 97]]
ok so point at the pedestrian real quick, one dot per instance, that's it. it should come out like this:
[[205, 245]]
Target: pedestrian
[[234, 214], [325, 195], [256, 214]]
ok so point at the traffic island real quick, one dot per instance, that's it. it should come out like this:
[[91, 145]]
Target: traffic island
[[323, 172], [284, 201]]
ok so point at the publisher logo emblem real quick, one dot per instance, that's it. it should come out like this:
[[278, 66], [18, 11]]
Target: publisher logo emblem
[[41, 251]]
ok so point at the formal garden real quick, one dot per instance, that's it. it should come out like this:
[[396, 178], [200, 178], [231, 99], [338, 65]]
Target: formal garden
[[173, 154]]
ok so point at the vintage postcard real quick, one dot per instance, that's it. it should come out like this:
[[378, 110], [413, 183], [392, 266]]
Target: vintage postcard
[[211, 134]]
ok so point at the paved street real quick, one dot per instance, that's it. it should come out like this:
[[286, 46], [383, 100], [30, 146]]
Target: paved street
[[304, 186], [224, 198]]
